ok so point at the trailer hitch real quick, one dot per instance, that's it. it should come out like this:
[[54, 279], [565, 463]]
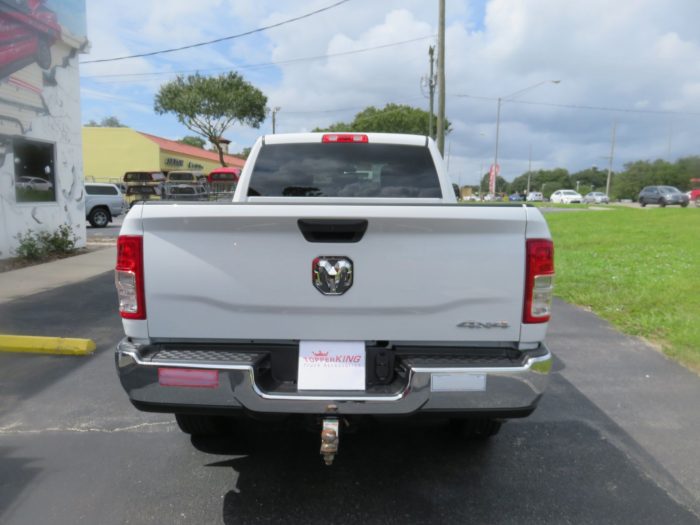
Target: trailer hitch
[[330, 439]]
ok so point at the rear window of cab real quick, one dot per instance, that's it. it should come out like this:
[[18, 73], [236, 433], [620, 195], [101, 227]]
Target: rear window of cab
[[344, 170]]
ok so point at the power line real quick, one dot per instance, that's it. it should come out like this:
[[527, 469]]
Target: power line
[[339, 110], [586, 107], [222, 39], [263, 64]]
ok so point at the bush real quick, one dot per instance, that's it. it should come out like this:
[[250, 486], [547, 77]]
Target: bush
[[34, 246], [31, 247]]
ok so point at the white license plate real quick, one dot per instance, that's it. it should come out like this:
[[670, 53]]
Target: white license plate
[[331, 365], [459, 382]]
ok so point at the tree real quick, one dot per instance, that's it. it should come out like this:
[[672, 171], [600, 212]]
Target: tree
[[546, 181], [107, 122], [244, 154], [393, 118], [210, 105], [501, 184], [628, 184], [192, 140]]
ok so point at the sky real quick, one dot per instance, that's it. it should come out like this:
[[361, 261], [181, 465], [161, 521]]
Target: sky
[[634, 64]]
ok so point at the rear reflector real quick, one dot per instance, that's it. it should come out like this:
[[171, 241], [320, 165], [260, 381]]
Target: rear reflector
[[188, 377], [128, 277], [345, 137], [539, 281]]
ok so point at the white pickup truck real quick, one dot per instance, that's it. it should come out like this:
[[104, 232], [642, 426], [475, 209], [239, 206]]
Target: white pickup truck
[[343, 280]]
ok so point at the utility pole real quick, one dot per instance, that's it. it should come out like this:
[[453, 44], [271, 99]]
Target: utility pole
[[431, 88], [274, 114], [441, 80], [529, 171], [610, 160]]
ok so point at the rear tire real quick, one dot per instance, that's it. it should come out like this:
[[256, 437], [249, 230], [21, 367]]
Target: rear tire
[[197, 425], [642, 203], [99, 217], [662, 203], [478, 429]]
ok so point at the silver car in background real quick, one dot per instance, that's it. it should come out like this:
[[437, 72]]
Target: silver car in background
[[103, 202], [596, 197]]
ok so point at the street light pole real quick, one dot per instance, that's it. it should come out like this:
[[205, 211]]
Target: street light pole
[[441, 80], [274, 114], [498, 113], [529, 170], [498, 130], [610, 160]]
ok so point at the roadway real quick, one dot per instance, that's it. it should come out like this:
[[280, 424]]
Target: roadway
[[613, 441]]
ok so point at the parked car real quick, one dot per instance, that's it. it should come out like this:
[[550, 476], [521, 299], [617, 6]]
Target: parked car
[[187, 192], [34, 183], [223, 180], [103, 202], [566, 197], [662, 195], [143, 185], [596, 197], [535, 196], [515, 197], [189, 177], [176, 180]]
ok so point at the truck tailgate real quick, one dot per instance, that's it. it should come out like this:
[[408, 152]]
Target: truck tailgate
[[244, 271]]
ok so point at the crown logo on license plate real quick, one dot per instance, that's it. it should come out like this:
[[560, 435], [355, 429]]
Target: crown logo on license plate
[[332, 275]]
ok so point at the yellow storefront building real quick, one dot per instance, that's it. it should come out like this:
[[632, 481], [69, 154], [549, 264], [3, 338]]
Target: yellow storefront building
[[108, 153]]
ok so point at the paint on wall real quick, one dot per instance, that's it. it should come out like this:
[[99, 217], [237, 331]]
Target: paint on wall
[[41, 179]]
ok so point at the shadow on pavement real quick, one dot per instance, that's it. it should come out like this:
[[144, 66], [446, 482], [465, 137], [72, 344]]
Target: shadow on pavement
[[536, 470], [87, 310], [16, 474]]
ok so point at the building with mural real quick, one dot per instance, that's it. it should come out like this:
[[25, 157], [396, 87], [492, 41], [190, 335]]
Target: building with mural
[[108, 153], [41, 175]]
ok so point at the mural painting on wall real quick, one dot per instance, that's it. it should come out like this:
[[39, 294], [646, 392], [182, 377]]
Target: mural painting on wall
[[36, 38]]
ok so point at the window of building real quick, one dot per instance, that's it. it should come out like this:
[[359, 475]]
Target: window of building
[[34, 171]]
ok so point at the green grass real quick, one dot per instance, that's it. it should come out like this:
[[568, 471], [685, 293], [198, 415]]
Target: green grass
[[637, 268], [30, 195]]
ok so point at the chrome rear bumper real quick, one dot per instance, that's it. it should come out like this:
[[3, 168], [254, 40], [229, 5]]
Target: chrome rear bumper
[[500, 389]]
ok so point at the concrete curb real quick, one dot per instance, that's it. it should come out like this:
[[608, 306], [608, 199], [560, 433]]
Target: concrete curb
[[46, 345]]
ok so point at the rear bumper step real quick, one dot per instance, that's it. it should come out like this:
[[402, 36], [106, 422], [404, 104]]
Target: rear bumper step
[[424, 380]]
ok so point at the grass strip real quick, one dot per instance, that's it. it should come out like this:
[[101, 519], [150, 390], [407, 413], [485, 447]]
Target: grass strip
[[637, 268]]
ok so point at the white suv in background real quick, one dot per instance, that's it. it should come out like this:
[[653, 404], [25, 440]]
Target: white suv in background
[[534, 196], [103, 202], [566, 197]]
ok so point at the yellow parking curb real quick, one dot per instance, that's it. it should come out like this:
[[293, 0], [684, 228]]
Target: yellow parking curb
[[46, 345]]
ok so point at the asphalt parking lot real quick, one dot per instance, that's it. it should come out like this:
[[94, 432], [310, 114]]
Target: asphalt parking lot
[[73, 450], [105, 235]]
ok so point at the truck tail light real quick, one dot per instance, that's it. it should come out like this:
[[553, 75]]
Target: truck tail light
[[345, 137], [539, 280], [128, 277]]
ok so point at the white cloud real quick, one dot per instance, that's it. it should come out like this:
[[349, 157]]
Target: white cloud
[[638, 54]]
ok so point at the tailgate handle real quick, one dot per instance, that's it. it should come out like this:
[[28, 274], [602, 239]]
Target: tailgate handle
[[332, 230]]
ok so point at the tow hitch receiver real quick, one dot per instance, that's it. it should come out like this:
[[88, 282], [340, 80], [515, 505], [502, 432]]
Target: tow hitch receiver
[[330, 438]]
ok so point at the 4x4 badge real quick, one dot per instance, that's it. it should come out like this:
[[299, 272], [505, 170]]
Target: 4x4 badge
[[332, 275]]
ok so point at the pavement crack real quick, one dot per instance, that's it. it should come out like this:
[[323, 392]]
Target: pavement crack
[[12, 430]]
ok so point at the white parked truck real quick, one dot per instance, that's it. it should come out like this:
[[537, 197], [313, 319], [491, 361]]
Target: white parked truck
[[343, 280]]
